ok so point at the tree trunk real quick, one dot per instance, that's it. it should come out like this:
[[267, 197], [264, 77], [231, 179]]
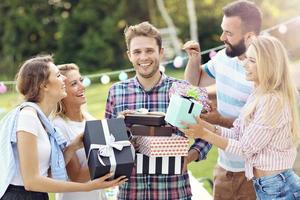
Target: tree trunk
[[172, 30], [192, 19]]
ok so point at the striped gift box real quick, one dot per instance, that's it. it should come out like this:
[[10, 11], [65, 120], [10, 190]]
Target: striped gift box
[[163, 146], [159, 165]]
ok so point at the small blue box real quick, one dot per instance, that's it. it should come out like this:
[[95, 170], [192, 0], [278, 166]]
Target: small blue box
[[182, 109]]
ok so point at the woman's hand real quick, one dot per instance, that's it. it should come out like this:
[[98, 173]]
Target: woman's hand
[[198, 130], [102, 182], [77, 142], [70, 150]]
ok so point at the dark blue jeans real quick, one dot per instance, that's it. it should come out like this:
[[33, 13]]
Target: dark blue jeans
[[283, 186], [19, 193]]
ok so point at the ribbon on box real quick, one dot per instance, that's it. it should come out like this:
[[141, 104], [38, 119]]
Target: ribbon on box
[[192, 103], [107, 149], [189, 91]]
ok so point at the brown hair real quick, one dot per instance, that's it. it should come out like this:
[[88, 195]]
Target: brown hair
[[248, 12], [32, 74], [64, 69], [143, 29]]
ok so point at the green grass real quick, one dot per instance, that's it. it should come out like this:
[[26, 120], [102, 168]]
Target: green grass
[[96, 96]]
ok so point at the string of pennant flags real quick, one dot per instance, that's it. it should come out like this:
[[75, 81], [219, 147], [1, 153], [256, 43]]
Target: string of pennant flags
[[177, 62]]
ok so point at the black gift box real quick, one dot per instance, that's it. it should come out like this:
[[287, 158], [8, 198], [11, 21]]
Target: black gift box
[[159, 165], [151, 130], [145, 119], [94, 134]]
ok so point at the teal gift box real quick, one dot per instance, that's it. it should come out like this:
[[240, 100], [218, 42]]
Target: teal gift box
[[182, 109]]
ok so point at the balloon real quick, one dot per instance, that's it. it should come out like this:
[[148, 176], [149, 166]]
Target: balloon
[[162, 68], [105, 79], [282, 29], [86, 82], [123, 76], [178, 62], [3, 88], [212, 53]]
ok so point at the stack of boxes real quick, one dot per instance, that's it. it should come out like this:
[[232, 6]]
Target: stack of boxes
[[160, 150]]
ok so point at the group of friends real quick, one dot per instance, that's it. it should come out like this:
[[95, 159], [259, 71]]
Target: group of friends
[[254, 123]]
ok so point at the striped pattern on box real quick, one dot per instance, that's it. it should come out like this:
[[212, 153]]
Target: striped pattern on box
[[163, 146], [159, 165]]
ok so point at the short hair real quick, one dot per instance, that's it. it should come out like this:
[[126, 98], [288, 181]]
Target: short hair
[[32, 74], [143, 29], [248, 12]]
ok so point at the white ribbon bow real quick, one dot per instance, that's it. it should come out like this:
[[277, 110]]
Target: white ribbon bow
[[107, 150]]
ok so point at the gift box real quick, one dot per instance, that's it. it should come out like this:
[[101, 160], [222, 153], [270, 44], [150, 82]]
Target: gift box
[[159, 165], [188, 90], [151, 130], [107, 148], [182, 109], [149, 119], [156, 146]]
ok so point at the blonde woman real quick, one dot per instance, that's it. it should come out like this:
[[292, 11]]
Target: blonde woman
[[267, 131], [33, 172], [70, 119]]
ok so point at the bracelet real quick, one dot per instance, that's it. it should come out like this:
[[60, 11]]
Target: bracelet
[[217, 129]]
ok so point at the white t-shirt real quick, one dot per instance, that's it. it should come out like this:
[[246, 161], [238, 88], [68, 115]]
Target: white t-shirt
[[71, 129], [28, 121]]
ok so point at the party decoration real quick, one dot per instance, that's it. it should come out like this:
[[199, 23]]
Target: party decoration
[[162, 68], [105, 79], [3, 88], [178, 62], [212, 54], [282, 29], [86, 82], [123, 76]]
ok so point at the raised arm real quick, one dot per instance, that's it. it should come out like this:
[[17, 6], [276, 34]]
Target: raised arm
[[194, 72]]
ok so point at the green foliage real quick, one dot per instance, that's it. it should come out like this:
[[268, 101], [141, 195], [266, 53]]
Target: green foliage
[[90, 32]]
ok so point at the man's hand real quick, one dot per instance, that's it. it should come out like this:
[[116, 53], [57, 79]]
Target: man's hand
[[213, 116], [192, 156], [134, 143], [192, 48], [125, 112]]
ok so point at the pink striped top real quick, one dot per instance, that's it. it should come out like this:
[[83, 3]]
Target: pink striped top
[[264, 142]]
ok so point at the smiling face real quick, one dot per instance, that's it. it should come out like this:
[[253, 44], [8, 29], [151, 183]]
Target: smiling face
[[55, 85], [144, 54], [233, 36], [75, 89], [251, 65]]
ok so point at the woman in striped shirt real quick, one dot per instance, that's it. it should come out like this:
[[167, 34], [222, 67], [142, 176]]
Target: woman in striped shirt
[[267, 131]]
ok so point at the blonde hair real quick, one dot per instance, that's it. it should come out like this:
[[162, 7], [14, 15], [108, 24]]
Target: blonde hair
[[64, 69], [274, 77]]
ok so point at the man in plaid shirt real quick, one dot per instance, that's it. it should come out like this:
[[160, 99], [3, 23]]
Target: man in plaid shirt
[[149, 89]]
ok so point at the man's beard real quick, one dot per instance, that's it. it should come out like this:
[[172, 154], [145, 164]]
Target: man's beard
[[235, 50]]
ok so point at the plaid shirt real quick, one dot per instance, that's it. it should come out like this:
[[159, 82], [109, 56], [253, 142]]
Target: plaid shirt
[[130, 95]]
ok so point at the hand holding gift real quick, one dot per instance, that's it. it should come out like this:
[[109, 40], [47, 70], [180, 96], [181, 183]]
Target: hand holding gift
[[107, 148], [198, 130]]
